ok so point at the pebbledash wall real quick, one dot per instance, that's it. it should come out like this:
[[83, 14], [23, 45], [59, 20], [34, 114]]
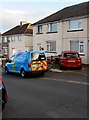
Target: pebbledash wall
[[63, 37]]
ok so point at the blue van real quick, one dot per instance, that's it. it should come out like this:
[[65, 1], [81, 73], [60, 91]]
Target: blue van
[[27, 62]]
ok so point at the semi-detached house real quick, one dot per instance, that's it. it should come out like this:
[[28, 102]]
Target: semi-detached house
[[67, 29], [19, 38]]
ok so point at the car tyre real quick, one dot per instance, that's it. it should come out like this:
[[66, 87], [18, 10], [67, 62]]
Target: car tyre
[[80, 68], [23, 73]]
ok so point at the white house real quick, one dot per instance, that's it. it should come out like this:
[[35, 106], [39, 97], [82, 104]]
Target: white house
[[66, 29], [19, 38]]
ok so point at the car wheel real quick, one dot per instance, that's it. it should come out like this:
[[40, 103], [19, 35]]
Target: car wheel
[[80, 68], [23, 73], [6, 70]]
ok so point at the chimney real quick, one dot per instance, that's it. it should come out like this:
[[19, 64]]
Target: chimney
[[22, 23]]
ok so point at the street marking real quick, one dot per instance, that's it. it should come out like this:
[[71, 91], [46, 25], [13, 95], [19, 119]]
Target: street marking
[[68, 81]]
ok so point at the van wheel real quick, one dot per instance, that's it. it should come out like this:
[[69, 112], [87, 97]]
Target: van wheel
[[23, 73], [42, 74], [6, 70]]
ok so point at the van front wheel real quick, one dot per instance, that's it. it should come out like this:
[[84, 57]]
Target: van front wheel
[[23, 73]]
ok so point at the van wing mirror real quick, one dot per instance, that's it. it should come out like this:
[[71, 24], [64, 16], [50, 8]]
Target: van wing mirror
[[8, 60]]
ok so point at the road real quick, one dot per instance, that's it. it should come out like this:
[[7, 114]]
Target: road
[[56, 95]]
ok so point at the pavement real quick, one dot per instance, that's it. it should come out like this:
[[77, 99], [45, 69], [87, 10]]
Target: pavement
[[84, 71]]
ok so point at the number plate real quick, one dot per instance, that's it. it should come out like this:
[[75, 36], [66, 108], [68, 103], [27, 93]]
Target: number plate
[[36, 65], [71, 60]]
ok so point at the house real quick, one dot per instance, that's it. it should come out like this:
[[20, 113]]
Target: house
[[66, 29], [19, 38], [0, 45]]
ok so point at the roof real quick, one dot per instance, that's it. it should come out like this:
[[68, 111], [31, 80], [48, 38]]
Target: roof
[[81, 9], [19, 30]]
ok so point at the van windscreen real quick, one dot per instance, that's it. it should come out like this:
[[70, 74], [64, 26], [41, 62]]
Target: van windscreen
[[38, 56]]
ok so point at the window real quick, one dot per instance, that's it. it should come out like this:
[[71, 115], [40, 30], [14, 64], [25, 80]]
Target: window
[[52, 27], [78, 46], [81, 47], [37, 56], [8, 39], [12, 39], [5, 39], [31, 48], [19, 38], [75, 24], [51, 46], [40, 29], [5, 50], [13, 50], [39, 46]]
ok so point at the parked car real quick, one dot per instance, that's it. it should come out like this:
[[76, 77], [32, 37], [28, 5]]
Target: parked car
[[70, 59], [27, 62], [3, 93]]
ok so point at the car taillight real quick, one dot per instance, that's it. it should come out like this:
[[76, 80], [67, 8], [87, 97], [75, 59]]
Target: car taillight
[[29, 65], [79, 59]]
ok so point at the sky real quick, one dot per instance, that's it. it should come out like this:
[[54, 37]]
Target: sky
[[31, 11]]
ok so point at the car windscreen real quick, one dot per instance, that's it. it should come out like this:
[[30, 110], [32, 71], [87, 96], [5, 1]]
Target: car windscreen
[[37, 56], [71, 55]]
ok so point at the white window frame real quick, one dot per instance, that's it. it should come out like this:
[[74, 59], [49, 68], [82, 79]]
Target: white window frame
[[5, 40], [48, 46], [5, 50], [80, 43], [13, 38], [39, 46], [19, 38], [50, 27], [40, 29], [77, 25]]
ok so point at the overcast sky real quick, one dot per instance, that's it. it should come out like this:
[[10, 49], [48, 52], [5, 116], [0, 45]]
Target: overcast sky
[[14, 11]]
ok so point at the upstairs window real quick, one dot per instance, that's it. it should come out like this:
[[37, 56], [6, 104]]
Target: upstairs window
[[13, 39], [75, 24], [52, 27], [40, 29], [5, 39]]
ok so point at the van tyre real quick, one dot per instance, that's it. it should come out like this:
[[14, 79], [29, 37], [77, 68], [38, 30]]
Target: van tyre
[[23, 73]]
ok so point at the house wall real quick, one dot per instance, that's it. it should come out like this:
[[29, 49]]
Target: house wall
[[23, 44], [0, 45], [63, 38], [42, 38], [88, 40], [28, 41], [75, 36]]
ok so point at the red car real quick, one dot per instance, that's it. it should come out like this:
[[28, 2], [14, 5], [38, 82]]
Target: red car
[[70, 59]]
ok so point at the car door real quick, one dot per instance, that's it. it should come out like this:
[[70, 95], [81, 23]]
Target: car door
[[11, 64]]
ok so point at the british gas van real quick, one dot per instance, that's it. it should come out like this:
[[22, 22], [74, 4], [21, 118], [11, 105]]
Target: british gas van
[[27, 62]]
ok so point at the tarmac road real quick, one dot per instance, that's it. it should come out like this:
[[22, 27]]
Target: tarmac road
[[56, 95]]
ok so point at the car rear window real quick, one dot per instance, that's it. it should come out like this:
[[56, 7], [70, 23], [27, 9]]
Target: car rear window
[[38, 56], [71, 55]]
